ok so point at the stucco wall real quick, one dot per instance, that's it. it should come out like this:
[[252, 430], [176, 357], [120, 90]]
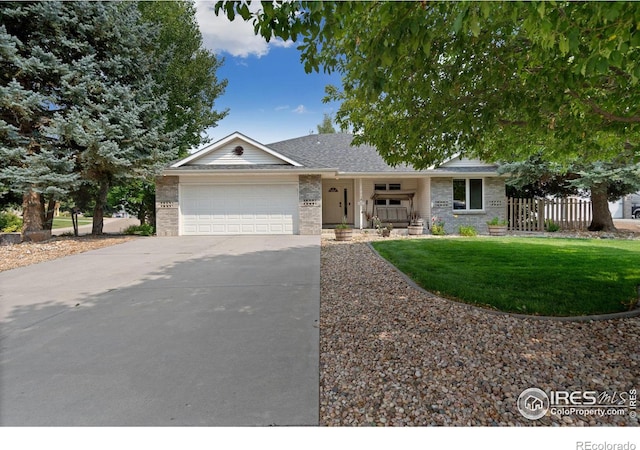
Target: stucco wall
[[310, 204], [442, 205], [167, 217]]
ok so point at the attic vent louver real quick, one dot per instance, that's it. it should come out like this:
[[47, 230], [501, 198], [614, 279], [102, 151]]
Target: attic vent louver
[[238, 150]]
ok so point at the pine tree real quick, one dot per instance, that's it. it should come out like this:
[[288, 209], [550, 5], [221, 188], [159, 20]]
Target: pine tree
[[97, 114], [326, 126], [32, 60]]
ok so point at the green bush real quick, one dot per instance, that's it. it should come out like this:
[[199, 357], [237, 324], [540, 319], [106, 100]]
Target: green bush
[[551, 226], [9, 222], [438, 230], [467, 230], [140, 230], [496, 221], [437, 226]]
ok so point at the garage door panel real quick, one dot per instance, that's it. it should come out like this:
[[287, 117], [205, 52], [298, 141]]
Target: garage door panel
[[239, 209]]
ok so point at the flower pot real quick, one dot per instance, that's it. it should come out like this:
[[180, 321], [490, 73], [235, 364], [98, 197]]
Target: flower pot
[[343, 234], [415, 230], [497, 230], [418, 223], [385, 232]]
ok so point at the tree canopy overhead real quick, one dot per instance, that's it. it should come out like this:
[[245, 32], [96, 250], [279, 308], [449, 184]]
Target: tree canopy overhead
[[423, 81]]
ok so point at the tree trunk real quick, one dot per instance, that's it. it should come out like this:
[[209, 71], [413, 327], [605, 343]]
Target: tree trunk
[[601, 220], [142, 213], [48, 218], [32, 212], [98, 210]]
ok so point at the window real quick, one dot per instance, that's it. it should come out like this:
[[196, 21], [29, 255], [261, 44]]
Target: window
[[387, 187], [467, 194]]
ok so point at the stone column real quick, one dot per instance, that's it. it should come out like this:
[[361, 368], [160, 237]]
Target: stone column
[[167, 214], [310, 204]]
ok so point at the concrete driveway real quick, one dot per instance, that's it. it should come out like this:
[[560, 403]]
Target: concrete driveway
[[199, 331]]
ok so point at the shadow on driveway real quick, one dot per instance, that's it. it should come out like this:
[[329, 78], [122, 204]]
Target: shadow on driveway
[[210, 337]]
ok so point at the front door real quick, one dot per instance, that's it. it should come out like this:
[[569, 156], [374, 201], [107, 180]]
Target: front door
[[337, 202]]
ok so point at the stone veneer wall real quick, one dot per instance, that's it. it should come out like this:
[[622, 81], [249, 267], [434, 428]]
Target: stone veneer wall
[[167, 217], [310, 204], [495, 205]]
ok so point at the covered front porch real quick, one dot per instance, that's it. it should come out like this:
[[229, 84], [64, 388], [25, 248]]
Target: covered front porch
[[357, 200]]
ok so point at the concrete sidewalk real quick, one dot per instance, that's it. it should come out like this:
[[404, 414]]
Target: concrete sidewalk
[[164, 331], [111, 225]]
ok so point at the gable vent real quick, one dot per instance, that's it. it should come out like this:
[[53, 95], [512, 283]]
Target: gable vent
[[238, 150]]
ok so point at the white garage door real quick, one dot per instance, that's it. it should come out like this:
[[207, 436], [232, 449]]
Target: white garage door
[[239, 209], [616, 209]]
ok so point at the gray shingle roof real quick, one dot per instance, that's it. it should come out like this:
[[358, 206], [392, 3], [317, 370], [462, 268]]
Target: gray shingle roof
[[335, 151], [332, 151]]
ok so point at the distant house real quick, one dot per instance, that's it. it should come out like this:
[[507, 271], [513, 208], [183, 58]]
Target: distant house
[[240, 186], [628, 207]]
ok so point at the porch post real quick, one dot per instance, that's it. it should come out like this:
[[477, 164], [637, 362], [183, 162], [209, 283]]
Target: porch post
[[360, 201]]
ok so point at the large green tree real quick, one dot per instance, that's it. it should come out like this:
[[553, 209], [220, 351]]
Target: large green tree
[[189, 79], [36, 50], [85, 99], [114, 108], [423, 81], [191, 85]]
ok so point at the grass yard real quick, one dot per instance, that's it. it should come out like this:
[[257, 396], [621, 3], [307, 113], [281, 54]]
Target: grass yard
[[541, 276], [65, 222]]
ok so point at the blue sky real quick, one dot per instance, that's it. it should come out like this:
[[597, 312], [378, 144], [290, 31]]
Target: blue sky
[[269, 95]]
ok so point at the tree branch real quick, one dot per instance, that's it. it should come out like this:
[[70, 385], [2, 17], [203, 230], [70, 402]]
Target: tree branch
[[605, 114]]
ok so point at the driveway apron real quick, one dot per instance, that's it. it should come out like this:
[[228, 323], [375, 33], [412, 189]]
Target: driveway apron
[[188, 331]]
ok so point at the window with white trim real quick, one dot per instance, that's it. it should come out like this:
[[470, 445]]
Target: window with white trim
[[387, 187], [468, 194]]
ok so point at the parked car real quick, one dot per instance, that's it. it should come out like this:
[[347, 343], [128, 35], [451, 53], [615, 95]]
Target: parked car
[[635, 211]]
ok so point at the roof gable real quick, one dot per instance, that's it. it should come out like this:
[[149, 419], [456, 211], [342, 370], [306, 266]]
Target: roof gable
[[459, 161], [236, 150]]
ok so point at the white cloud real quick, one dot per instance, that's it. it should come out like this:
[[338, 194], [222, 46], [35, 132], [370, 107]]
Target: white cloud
[[282, 44], [301, 109], [282, 108], [236, 38]]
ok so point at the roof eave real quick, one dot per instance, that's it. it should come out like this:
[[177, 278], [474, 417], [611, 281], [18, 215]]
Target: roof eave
[[292, 171]]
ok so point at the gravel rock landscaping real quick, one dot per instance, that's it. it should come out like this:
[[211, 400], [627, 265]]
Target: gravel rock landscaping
[[391, 355], [27, 253]]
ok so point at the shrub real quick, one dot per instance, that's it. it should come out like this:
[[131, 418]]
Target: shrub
[[496, 221], [467, 230], [140, 230], [343, 225], [551, 226], [9, 222], [437, 226]]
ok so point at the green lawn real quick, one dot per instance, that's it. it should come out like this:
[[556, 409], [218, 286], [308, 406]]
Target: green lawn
[[555, 277], [64, 222]]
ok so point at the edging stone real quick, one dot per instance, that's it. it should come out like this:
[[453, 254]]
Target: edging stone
[[10, 238]]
